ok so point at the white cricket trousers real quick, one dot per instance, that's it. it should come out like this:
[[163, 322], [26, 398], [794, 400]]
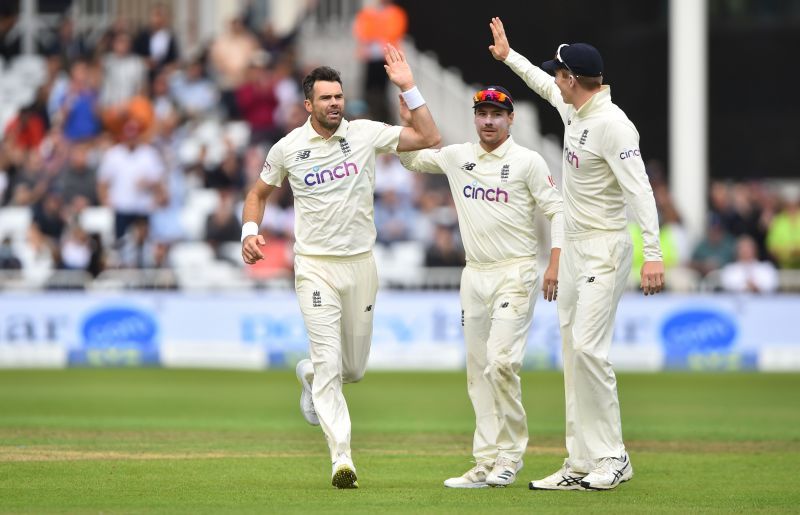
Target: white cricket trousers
[[497, 302], [592, 276], [337, 297]]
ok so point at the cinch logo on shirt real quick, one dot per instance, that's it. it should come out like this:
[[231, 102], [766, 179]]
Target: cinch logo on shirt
[[571, 157], [491, 194], [625, 154], [341, 171]]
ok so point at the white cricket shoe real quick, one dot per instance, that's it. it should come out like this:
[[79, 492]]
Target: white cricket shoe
[[564, 479], [504, 472], [344, 473], [305, 373], [608, 473], [473, 478]]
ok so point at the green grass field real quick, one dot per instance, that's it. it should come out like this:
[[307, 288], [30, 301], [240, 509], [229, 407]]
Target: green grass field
[[166, 441]]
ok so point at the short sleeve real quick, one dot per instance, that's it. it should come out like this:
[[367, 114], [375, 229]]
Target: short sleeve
[[274, 170], [385, 137]]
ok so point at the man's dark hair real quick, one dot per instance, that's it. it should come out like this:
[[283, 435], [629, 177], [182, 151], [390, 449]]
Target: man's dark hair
[[324, 73]]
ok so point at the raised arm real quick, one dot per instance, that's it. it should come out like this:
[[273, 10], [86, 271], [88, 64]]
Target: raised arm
[[537, 79], [253, 212], [422, 132]]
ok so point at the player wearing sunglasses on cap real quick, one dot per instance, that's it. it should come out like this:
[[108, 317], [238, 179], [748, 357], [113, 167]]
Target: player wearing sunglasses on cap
[[496, 184], [602, 172]]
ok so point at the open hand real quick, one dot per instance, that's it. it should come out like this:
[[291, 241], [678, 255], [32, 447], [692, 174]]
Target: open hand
[[397, 68], [501, 48]]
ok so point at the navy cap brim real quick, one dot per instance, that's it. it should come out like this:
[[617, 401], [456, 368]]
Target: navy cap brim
[[552, 65], [498, 104]]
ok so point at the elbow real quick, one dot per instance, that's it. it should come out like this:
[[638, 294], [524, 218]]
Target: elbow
[[434, 140]]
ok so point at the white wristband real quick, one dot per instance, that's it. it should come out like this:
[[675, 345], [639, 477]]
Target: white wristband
[[249, 229], [413, 98]]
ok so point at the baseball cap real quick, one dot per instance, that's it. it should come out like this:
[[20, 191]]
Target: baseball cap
[[577, 58], [494, 95]]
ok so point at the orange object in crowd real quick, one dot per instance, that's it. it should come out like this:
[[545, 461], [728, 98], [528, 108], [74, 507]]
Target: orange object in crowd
[[384, 24]]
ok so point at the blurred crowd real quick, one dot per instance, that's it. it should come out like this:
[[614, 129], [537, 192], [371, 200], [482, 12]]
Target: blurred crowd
[[129, 124], [753, 231], [154, 138]]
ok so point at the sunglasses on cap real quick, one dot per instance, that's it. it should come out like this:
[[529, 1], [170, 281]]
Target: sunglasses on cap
[[491, 95]]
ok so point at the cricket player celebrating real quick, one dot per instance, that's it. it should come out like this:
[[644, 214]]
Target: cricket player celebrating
[[496, 184], [330, 163], [602, 170]]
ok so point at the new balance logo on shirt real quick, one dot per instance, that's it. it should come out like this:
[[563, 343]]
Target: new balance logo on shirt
[[590, 279], [302, 154], [468, 166]]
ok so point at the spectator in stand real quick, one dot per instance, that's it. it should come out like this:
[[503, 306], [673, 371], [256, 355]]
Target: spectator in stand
[[374, 28], [783, 235], [393, 217], [228, 174], [37, 256], [124, 77], [445, 250], [32, 182], [136, 248], [75, 106], [393, 176], [166, 225], [737, 210], [747, 274], [164, 106], [195, 94], [222, 225], [156, 43], [48, 215], [8, 257], [231, 53], [26, 130], [273, 43], [746, 216], [79, 179], [287, 90], [257, 100], [76, 249], [67, 46], [130, 178], [10, 40], [717, 249]]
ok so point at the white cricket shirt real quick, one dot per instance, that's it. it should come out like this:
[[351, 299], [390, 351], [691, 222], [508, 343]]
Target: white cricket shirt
[[495, 195], [333, 182], [602, 167]]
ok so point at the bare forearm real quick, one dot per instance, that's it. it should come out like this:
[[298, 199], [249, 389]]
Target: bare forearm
[[254, 206], [427, 133]]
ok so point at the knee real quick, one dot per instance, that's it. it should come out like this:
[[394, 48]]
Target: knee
[[352, 376], [502, 369], [589, 353]]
